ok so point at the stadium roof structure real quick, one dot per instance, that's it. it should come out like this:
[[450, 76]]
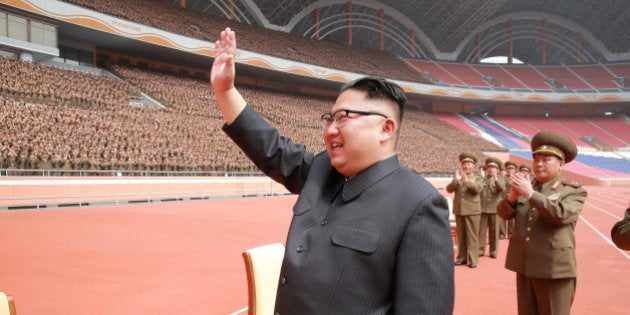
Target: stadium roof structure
[[534, 31]]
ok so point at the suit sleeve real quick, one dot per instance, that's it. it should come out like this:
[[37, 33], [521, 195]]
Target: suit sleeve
[[276, 156], [620, 232], [424, 268]]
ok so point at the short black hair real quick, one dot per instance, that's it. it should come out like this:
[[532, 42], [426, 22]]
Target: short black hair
[[380, 88]]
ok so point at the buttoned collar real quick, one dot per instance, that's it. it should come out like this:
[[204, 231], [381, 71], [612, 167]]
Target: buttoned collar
[[357, 184]]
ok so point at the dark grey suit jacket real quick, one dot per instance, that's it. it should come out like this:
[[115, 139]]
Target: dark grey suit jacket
[[378, 243]]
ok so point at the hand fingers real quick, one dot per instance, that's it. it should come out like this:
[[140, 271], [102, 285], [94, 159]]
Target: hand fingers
[[226, 42]]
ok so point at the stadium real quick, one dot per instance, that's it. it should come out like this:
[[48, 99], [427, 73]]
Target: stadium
[[109, 121]]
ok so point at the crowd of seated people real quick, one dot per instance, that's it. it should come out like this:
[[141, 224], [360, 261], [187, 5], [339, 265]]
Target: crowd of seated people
[[45, 84], [185, 135], [191, 23], [98, 130]]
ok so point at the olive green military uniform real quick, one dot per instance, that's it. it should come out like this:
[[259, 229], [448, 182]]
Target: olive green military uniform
[[620, 232], [467, 211], [491, 193], [507, 226], [542, 247]]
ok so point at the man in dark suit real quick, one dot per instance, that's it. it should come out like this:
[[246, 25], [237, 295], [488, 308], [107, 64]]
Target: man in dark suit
[[367, 235], [542, 247]]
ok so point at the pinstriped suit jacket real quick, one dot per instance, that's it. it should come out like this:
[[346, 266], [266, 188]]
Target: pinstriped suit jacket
[[378, 243]]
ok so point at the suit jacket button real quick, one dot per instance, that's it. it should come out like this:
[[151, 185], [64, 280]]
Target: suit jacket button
[[324, 222], [283, 280], [299, 249]]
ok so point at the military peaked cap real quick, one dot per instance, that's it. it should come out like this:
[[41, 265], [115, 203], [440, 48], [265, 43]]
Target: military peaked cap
[[553, 143], [510, 165], [467, 157], [492, 161]]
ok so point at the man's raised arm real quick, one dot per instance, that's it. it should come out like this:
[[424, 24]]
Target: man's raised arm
[[230, 100]]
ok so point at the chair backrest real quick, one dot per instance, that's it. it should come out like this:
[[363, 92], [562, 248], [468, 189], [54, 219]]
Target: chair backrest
[[451, 219], [449, 201], [262, 265], [7, 306]]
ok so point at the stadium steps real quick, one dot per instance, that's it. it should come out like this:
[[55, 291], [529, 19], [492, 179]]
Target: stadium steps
[[496, 133]]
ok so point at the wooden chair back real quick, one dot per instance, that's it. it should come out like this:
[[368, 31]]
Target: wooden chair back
[[262, 265], [7, 305]]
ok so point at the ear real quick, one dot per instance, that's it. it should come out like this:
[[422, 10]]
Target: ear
[[388, 129]]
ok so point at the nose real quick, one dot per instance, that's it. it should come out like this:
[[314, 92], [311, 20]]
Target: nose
[[331, 128]]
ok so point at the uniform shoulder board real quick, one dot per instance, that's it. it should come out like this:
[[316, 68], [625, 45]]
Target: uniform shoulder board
[[571, 183]]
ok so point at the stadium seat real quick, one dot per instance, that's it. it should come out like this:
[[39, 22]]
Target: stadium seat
[[262, 265], [7, 306]]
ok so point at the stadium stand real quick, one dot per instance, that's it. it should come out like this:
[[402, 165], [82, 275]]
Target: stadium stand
[[503, 135], [615, 125], [529, 76], [517, 123], [191, 23], [564, 77], [185, 136], [465, 73], [108, 131], [456, 121], [587, 129], [622, 73], [550, 123], [596, 75], [614, 165], [499, 76], [435, 71]]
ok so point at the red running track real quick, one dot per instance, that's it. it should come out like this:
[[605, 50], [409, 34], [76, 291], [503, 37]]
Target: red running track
[[185, 258]]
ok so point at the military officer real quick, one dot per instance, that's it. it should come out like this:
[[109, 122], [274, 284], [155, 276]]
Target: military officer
[[546, 210], [467, 209], [620, 232], [506, 226], [525, 169], [491, 193]]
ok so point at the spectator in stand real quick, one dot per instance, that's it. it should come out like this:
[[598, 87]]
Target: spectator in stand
[[359, 211], [620, 232], [546, 210]]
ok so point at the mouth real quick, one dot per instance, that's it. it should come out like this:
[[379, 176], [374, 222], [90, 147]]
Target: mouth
[[335, 147]]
